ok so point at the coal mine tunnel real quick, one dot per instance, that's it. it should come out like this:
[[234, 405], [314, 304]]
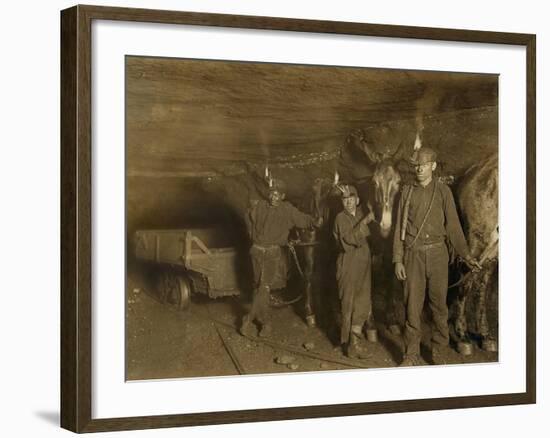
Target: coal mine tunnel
[[198, 131], [201, 133]]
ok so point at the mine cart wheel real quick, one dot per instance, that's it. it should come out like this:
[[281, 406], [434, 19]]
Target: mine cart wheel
[[164, 287], [184, 292], [174, 289]]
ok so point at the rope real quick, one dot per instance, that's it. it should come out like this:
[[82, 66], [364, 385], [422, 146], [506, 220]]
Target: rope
[[277, 303], [295, 257], [464, 277], [461, 280]]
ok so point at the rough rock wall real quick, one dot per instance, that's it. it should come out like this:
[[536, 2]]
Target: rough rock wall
[[199, 133], [222, 195]]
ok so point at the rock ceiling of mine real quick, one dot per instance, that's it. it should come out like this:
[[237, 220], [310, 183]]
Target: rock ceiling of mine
[[188, 115]]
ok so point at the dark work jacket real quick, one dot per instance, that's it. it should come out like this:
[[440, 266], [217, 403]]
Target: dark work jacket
[[441, 224], [268, 225], [348, 234]]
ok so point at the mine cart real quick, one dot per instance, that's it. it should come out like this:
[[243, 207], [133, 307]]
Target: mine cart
[[198, 260]]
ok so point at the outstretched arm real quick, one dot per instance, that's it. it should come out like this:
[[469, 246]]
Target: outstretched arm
[[299, 219]]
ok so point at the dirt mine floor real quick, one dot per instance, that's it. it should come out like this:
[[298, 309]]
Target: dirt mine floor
[[163, 342]]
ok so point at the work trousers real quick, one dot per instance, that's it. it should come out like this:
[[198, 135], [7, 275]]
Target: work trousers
[[354, 279], [427, 269], [265, 266]]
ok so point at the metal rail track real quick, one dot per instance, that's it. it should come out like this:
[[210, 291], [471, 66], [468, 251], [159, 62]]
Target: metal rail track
[[350, 363]]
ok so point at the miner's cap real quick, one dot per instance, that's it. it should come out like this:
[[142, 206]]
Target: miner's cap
[[423, 156], [348, 191], [277, 185]]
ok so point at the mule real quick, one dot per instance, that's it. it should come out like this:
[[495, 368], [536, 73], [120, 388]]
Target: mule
[[380, 192], [478, 203], [312, 245]]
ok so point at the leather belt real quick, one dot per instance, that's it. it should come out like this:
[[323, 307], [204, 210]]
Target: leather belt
[[428, 245], [265, 248]]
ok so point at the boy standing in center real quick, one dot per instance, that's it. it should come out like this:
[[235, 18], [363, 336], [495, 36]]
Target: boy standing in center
[[353, 271]]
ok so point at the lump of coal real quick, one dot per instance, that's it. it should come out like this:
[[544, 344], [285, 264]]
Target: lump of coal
[[285, 360], [309, 346]]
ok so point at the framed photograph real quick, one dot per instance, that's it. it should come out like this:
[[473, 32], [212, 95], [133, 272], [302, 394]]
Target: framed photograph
[[269, 218]]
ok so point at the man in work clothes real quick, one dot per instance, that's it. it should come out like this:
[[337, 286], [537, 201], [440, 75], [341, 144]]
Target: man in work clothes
[[268, 224], [353, 271], [426, 218]]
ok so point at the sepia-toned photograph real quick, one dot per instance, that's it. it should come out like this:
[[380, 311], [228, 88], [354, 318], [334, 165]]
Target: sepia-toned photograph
[[306, 218]]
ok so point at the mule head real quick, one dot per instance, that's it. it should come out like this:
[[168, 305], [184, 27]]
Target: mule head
[[320, 191], [381, 145], [359, 140], [386, 180]]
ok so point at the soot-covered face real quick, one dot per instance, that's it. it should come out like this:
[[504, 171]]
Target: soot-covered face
[[275, 197], [350, 203], [424, 171]]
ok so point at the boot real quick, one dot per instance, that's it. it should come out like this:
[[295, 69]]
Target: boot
[[410, 360], [247, 327], [354, 348], [310, 321], [440, 355], [266, 330]]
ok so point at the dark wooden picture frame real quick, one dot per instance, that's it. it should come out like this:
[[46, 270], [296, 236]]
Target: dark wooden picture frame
[[76, 217]]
